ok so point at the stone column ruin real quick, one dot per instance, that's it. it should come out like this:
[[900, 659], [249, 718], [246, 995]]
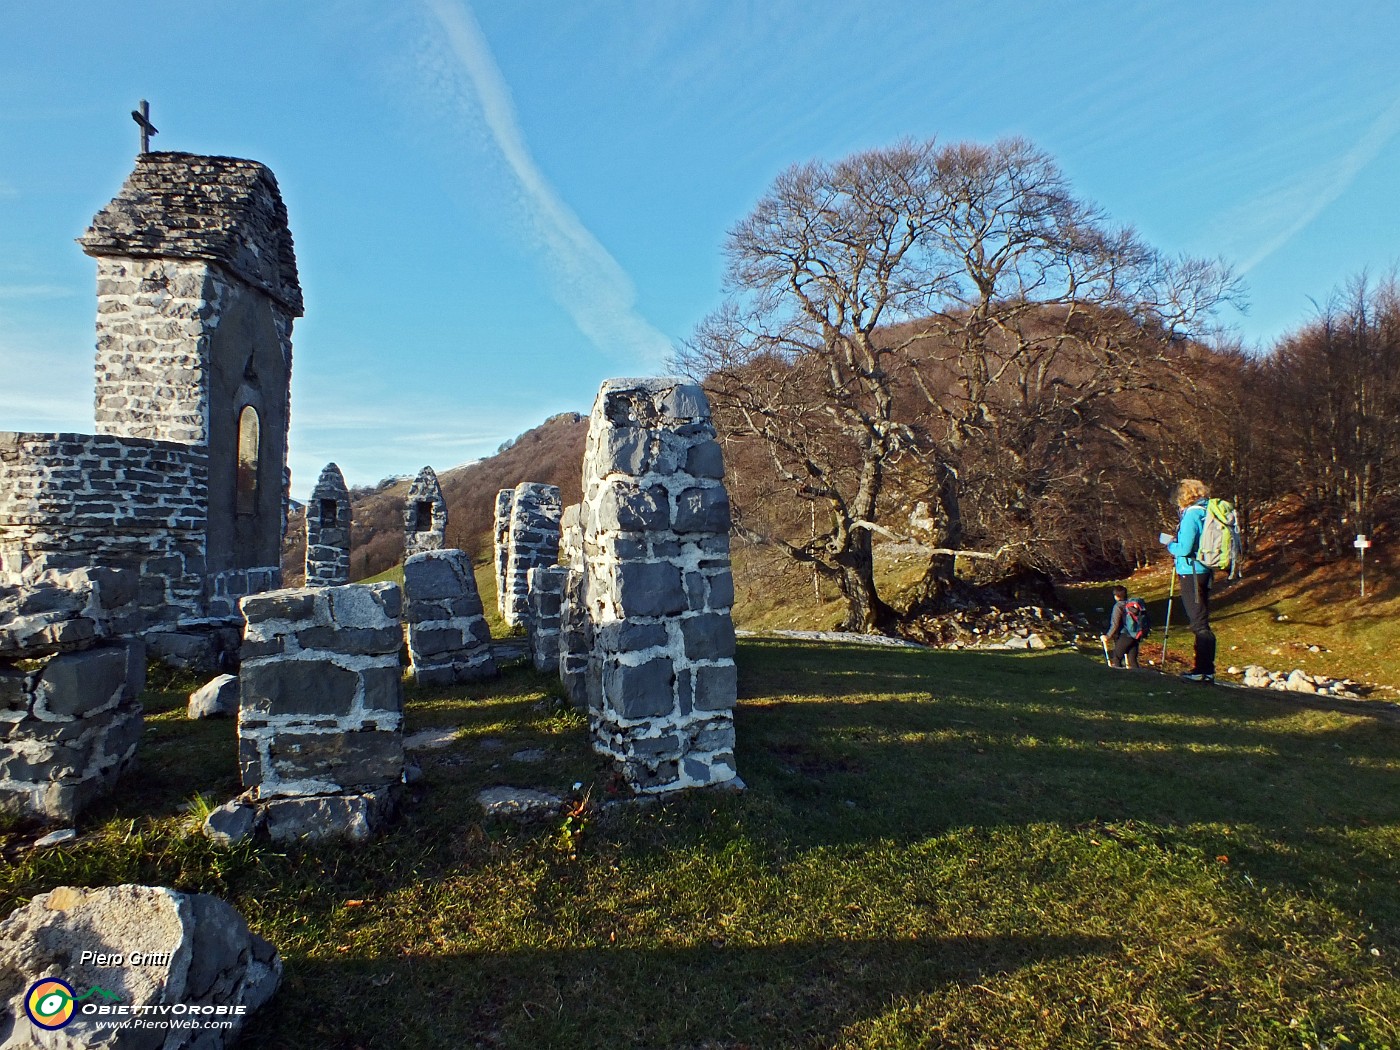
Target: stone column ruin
[[546, 594], [448, 639], [575, 631], [320, 721], [328, 531], [658, 587], [424, 515], [533, 541], [505, 500]]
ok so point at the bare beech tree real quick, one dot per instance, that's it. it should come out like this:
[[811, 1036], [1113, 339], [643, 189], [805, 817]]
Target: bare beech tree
[[923, 322], [1337, 382]]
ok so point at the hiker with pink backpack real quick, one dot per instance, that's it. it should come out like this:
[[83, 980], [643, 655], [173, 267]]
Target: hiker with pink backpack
[[1127, 626]]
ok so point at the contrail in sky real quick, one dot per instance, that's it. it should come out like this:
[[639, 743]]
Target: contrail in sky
[[1305, 200], [588, 282]]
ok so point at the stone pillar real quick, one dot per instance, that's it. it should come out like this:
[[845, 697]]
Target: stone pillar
[[328, 531], [69, 729], [575, 631], [68, 726], [448, 640], [424, 515], [505, 499], [533, 542], [320, 720], [546, 592], [658, 587]]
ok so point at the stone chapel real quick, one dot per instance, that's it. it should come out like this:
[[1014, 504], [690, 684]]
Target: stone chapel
[[185, 480]]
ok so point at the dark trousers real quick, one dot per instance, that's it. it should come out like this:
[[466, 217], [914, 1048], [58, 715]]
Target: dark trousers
[[1195, 598], [1125, 646]]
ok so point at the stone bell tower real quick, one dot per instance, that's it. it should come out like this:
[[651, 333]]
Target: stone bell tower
[[197, 292]]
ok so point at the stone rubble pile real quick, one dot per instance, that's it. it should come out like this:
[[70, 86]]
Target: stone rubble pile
[[1024, 627], [1298, 681], [448, 639], [320, 721], [199, 962]]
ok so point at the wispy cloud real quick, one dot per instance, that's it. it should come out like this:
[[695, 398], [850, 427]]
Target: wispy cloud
[[1281, 214], [35, 291], [586, 280]]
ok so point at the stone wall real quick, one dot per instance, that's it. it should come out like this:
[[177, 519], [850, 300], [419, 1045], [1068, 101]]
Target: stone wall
[[533, 541], [424, 515], [546, 596], [328, 522], [153, 324], [658, 586], [69, 728], [58, 612], [68, 501], [320, 723], [448, 639]]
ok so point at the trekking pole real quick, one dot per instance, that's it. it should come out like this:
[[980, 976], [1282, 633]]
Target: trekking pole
[[1105, 651], [1167, 627]]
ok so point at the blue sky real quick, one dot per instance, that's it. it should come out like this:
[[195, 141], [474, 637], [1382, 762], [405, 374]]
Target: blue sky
[[498, 204]]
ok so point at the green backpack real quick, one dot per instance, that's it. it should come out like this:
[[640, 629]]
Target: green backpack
[[1221, 546]]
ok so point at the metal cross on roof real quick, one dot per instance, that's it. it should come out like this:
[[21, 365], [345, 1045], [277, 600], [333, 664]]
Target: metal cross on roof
[[142, 116]]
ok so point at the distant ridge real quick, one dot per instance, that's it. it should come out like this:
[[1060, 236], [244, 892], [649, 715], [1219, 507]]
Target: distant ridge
[[551, 453]]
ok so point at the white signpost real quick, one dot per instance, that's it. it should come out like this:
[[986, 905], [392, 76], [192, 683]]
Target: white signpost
[[1361, 543]]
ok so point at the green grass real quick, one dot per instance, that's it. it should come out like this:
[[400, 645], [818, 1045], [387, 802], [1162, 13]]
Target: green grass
[[1275, 619], [935, 849]]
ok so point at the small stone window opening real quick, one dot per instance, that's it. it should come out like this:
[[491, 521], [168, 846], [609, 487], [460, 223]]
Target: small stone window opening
[[328, 514], [423, 516], [248, 441]]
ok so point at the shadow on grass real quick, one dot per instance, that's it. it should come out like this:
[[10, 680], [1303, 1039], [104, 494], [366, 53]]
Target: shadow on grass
[[905, 746], [617, 996]]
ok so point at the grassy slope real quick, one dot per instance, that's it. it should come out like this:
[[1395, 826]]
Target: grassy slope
[[1285, 604], [951, 849]]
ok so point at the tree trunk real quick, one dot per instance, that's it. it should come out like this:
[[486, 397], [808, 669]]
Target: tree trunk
[[866, 612], [939, 575]]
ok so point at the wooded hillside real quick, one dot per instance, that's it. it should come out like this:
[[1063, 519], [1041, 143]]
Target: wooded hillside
[[551, 453]]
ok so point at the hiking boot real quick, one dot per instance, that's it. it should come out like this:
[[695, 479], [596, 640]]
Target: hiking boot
[[1198, 676]]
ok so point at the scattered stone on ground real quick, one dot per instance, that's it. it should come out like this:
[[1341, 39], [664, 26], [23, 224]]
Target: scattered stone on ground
[[530, 754], [217, 698], [1299, 681], [53, 838], [518, 803], [428, 739]]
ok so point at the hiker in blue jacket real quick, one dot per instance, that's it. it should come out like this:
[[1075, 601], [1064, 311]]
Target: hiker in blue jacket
[[1191, 498]]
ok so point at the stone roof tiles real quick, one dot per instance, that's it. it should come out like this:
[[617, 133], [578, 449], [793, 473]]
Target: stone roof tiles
[[187, 206]]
